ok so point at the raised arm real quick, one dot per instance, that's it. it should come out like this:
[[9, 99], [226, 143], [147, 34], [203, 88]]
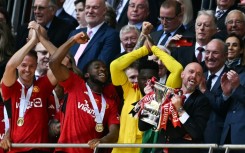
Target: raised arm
[[42, 36], [9, 76], [59, 70]]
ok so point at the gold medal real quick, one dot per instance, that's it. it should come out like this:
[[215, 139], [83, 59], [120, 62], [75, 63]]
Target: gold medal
[[20, 121], [99, 127]]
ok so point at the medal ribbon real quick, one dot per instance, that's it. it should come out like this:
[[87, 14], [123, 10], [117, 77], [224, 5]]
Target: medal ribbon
[[56, 100], [24, 99], [98, 115]]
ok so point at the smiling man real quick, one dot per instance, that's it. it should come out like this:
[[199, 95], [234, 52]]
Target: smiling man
[[44, 14], [205, 28], [104, 43], [91, 114]]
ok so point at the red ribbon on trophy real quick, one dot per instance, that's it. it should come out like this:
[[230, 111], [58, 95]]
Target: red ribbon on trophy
[[169, 112]]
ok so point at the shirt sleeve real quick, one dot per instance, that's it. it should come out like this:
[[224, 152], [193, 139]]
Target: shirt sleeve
[[184, 118]]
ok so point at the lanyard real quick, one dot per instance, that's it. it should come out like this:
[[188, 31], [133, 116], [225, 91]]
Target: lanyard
[[24, 99], [56, 100], [98, 115]]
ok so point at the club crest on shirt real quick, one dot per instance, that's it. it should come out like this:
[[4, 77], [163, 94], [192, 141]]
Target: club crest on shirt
[[36, 89]]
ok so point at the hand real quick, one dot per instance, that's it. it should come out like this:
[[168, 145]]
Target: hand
[[6, 143], [54, 128], [202, 85], [176, 100], [32, 36], [147, 28], [41, 32], [148, 89], [93, 143], [225, 85], [229, 82], [81, 38], [233, 78], [170, 42]]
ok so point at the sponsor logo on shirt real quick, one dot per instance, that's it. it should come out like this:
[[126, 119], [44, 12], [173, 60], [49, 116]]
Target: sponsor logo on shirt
[[85, 107], [36, 102]]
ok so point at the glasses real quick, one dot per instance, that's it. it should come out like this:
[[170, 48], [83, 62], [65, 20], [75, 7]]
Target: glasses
[[167, 19], [238, 22], [40, 8]]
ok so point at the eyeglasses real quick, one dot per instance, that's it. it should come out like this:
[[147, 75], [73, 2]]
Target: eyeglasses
[[167, 19], [238, 22], [40, 8]]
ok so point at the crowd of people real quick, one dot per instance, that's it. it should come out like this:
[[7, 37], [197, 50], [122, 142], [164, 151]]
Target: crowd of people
[[124, 71]]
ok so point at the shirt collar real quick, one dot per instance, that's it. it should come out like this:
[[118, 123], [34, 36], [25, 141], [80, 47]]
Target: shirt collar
[[218, 72], [95, 29]]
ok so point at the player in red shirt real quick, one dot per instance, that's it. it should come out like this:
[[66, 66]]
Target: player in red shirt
[[91, 114], [29, 119]]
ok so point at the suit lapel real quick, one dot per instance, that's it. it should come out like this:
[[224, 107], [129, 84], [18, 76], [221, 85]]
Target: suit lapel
[[95, 38], [190, 100], [217, 83]]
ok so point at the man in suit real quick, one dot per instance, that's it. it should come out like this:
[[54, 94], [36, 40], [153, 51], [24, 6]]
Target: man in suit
[[61, 13], [233, 88], [104, 43], [44, 13], [221, 11], [216, 53], [170, 17], [235, 23], [205, 28], [127, 13], [193, 113]]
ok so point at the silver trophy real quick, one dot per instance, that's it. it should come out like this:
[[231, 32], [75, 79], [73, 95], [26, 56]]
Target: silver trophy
[[151, 111]]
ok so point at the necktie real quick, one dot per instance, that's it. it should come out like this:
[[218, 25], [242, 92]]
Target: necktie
[[119, 6], [209, 82], [82, 47], [199, 55], [165, 39], [219, 13]]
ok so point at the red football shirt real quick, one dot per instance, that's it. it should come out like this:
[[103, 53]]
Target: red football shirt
[[78, 121]]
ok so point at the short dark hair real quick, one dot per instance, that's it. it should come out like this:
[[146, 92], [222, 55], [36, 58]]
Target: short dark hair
[[238, 37], [86, 67], [146, 64], [79, 1], [171, 3], [32, 53]]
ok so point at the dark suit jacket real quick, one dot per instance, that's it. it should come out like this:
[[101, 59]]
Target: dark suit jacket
[[154, 8], [58, 32], [219, 108], [234, 122], [221, 21], [105, 45], [186, 55], [198, 108], [65, 16], [156, 35]]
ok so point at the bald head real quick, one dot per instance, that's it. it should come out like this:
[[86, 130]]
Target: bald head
[[191, 77]]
